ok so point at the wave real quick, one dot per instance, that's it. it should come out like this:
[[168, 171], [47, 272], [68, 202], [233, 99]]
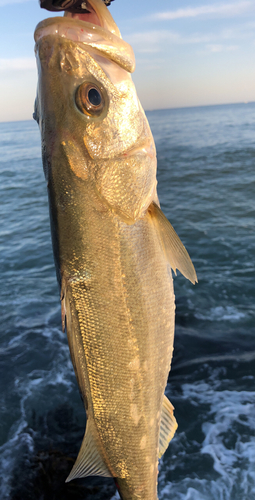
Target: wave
[[220, 313], [224, 458]]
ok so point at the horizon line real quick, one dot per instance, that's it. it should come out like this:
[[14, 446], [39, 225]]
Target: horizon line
[[162, 109]]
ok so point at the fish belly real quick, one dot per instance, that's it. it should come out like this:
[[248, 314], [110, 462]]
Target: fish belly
[[120, 323]]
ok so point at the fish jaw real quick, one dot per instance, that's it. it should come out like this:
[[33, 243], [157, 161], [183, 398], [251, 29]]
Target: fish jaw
[[93, 37], [96, 28]]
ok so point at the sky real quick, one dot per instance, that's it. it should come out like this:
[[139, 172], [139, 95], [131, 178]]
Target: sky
[[188, 52]]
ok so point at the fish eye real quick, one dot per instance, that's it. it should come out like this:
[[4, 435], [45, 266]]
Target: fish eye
[[89, 99], [94, 97]]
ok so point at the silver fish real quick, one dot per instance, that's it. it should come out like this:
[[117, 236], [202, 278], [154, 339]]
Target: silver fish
[[113, 247]]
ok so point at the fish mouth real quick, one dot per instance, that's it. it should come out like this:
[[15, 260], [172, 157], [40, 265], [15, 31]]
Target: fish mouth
[[89, 15], [96, 14], [94, 29]]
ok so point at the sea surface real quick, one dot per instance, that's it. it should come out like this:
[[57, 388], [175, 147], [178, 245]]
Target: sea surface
[[206, 185]]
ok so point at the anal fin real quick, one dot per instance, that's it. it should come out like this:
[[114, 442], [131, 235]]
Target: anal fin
[[168, 426], [176, 252], [89, 461]]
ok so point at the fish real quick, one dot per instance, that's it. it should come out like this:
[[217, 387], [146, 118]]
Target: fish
[[114, 249]]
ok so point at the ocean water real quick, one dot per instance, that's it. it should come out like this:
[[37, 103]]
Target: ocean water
[[206, 185]]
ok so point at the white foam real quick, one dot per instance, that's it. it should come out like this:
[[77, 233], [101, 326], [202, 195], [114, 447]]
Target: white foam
[[229, 440], [116, 496], [193, 489], [220, 313]]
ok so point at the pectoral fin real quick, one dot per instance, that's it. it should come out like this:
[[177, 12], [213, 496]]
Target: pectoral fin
[[176, 253], [89, 461], [168, 426]]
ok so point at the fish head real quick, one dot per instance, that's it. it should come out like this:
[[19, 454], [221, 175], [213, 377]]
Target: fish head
[[87, 106]]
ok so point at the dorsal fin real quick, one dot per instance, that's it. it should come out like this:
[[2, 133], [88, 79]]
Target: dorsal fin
[[168, 426], [89, 461], [176, 253]]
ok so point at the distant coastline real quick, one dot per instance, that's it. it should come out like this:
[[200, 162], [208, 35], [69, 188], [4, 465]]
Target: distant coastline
[[202, 106]]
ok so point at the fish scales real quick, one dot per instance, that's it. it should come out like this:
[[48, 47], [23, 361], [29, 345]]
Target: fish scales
[[126, 344], [113, 247]]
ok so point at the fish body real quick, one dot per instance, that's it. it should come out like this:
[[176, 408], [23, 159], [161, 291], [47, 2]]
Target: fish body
[[113, 247]]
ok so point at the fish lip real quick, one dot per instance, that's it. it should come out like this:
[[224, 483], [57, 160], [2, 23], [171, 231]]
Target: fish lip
[[101, 19]]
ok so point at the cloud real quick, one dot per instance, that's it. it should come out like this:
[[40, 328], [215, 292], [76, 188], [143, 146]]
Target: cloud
[[221, 48], [227, 9], [21, 64], [153, 41], [150, 41]]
